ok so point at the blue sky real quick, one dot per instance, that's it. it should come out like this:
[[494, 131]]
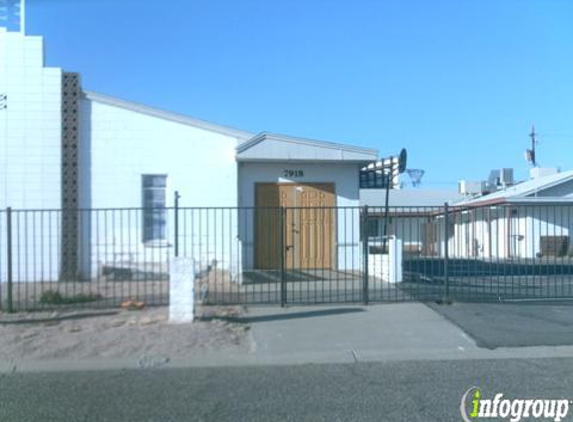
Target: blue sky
[[458, 83]]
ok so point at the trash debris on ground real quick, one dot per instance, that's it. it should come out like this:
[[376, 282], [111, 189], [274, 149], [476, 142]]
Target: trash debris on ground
[[132, 305]]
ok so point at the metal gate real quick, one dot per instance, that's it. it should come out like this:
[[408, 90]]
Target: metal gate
[[290, 255]]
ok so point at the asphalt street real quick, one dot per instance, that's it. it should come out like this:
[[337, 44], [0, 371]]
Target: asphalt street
[[512, 325], [390, 391]]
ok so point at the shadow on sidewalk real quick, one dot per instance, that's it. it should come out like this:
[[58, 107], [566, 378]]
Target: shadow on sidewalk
[[287, 316]]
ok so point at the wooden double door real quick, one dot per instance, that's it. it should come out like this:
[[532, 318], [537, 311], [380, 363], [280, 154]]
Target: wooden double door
[[306, 216]]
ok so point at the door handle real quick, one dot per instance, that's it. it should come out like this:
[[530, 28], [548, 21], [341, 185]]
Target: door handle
[[289, 247]]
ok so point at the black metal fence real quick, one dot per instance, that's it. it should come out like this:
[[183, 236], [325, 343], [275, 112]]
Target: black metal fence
[[288, 255]]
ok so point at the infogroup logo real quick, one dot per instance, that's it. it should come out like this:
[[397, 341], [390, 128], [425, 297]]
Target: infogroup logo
[[474, 406]]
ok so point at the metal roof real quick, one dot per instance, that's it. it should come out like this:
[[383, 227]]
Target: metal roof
[[407, 197], [521, 190], [167, 115], [276, 147]]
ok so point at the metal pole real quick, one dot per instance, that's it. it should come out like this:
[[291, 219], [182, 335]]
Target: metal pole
[[9, 253], [282, 249], [364, 229], [533, 142], [386, 206], [446, 255], [177, 196]]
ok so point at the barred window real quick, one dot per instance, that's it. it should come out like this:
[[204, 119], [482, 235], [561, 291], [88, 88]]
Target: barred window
[[153, 203], [375, 179], [373, 227]]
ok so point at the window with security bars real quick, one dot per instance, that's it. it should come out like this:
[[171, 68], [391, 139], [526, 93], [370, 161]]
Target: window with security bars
[[374, 179], [153, 203], [373, 227]]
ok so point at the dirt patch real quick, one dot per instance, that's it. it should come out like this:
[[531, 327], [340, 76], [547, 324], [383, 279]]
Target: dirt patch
[[125, 334], [108, 292]]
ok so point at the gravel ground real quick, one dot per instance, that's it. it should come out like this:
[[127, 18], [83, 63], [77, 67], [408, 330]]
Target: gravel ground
[[121, 333]]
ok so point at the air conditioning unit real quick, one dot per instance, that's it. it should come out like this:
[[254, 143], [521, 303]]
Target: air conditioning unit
[[500, 178], [470, 188], [537, 172], [506, 177]]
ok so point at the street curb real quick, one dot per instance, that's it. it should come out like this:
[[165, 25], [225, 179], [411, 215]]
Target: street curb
[[218, 360]]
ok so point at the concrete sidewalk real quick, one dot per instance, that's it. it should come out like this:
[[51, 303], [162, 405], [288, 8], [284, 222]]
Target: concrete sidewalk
[[322, 334], [401, 331], [352, 333]]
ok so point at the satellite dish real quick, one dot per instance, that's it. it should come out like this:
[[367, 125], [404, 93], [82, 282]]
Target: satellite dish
[[402, 161], [530, 155]]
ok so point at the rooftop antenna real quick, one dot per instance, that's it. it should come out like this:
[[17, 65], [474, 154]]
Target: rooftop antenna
[[530, 153]]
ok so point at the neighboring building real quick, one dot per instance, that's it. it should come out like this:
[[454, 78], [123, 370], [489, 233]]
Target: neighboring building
[[410, 197], [531, 219], [63, 148], [31, 142], [410, 216]]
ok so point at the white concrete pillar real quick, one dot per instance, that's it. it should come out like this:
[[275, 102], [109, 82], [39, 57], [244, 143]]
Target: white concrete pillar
[[181, 290], [394, 260]]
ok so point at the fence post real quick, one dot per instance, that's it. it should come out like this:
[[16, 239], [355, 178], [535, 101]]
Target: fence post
[[386, 211], [446, 297], [364, 231], [282, 249], [9, 258], [177, 196]]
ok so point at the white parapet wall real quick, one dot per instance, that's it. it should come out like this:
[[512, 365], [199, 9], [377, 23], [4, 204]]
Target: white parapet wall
[[30, 158], [387, 267]]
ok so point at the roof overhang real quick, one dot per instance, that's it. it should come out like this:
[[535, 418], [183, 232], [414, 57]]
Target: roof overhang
[[269, 147], [518, 201], [542, 200]]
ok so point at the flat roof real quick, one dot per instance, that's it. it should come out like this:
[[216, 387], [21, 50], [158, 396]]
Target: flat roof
[[415, 197]]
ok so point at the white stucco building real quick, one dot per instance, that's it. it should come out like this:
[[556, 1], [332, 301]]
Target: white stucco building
[[66, 149], [532, 219], [410, 217], [528, 220]]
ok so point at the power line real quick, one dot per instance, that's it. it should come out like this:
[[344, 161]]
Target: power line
[[555, 135]]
